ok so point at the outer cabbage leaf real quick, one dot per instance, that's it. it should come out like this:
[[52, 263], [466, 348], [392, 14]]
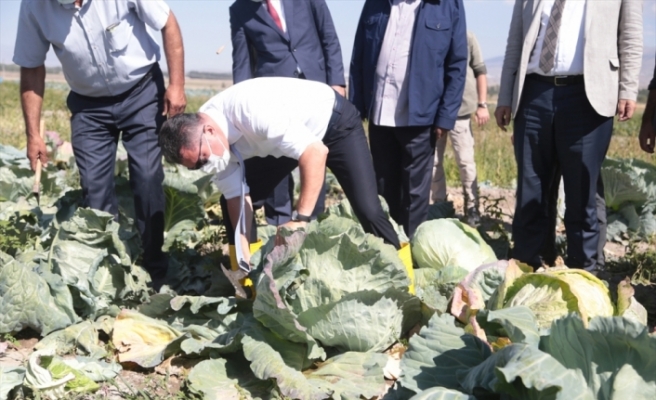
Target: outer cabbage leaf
[[478, 287], [447, 242], [32, 298], [517, 323], [627, 305], [81, 338], [615, 355], [210, 380], [439, 393], [438, 352], [524, 372], [352, 375], [10, 377]]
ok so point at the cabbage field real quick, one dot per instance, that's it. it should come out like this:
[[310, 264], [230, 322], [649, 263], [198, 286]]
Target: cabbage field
[[333, 317]]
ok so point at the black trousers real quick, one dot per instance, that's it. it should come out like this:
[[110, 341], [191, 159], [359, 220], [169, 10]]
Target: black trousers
[[549, 252], [403, 161], [278, 205], [96, 125], [557, 127], [348, 158]]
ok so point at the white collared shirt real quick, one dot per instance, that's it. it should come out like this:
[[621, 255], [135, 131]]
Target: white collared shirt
[[103, 46], [390, 105], [270, 116], [571, 38], [277, 5]]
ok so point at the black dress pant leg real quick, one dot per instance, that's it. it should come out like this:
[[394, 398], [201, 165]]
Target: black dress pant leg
[[350, 160], [263, 174], [403, 161]]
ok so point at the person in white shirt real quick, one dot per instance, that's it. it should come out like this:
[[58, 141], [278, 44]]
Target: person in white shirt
[[275, 124], [564, 76]]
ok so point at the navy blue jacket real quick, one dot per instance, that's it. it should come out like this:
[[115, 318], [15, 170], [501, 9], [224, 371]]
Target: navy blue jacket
[[260, 48], [437, 65]]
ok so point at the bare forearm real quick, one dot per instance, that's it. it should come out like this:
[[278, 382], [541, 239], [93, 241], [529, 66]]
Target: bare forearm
[[32, 87], [481, 88], [312, 166], [174, 50]]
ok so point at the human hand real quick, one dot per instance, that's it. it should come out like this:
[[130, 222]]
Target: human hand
[[625, 109], [482, 116], [502, 115], [288, 226], [36, 150], [647, 136], [340, 90], [175, 100], [440, 132]]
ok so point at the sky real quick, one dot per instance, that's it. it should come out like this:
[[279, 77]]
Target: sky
[[205, 28]]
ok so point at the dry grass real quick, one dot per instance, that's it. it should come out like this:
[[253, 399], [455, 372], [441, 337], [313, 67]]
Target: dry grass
[[494, 153]]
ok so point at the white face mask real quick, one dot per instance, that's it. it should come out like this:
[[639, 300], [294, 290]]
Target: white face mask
[[66, 1], [216, 164]]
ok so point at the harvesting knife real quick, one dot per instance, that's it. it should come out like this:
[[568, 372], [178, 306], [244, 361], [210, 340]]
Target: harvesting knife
[[236, 278], [36, 189]]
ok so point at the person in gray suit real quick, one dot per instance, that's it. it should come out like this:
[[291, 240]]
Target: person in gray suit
[[563, 79]]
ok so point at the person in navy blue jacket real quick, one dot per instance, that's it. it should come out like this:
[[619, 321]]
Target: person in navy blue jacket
[[407, 78], [286, 38]]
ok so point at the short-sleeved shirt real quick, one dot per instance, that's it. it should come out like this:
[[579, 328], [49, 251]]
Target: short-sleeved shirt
[[103, 46], [271, 116], [475, 67]]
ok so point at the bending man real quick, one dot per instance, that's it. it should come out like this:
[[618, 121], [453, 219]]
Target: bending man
[[274, 125]]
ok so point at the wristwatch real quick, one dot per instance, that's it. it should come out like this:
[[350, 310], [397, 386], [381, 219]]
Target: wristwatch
[[482, 105], [296, 217]]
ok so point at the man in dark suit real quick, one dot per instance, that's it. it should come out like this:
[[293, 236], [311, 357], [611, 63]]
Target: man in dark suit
[[286, 38], [407, 78]]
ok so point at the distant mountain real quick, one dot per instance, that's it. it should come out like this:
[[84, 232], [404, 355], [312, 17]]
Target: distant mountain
[[495, 64]]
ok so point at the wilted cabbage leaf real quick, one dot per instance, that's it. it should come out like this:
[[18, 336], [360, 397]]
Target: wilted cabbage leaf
[[447, 242]]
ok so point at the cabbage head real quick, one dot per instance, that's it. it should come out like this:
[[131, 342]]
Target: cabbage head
[[554, 293], [447, 242]]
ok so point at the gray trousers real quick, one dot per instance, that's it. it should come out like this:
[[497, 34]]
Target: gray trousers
[[96, 125], [462, 140]]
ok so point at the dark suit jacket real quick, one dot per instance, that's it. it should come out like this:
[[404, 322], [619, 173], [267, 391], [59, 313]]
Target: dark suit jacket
[[260, 48], [437, 66]]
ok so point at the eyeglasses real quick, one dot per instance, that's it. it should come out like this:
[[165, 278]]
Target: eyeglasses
[[200, 162]]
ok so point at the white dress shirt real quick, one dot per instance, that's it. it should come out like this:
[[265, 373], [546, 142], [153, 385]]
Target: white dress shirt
[[103, 46], [277, 5], [390, 104], [270, 116], [571, 38]]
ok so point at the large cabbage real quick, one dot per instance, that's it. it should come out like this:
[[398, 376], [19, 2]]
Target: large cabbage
[[555, 293], [447, 242]]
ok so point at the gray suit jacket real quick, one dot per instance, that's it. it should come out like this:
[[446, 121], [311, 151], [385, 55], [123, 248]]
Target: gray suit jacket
[[611, 59]]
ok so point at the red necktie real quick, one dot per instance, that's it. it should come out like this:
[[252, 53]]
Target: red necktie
[[274, 14]]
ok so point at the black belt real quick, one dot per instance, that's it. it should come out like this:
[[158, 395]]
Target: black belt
[[337, 110], [558, 80]]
